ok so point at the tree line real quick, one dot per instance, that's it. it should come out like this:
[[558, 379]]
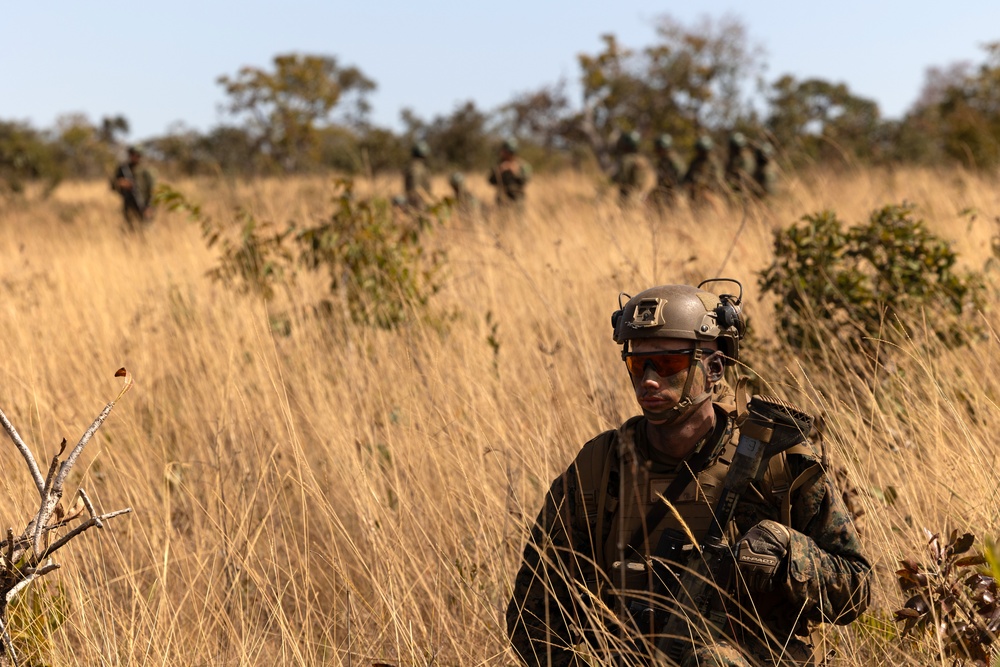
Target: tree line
[[308, 112]]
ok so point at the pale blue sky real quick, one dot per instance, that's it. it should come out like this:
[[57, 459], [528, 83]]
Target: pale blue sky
[[157, 62]]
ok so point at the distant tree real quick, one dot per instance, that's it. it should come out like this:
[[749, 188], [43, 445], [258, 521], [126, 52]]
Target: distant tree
[[957, 116], [382, 150], [82, 148], [542, 116], [460, 139], [233, 150], [824, 120], [26, 155], [691, 81], [114, 129], [284, 107], [181, 150]]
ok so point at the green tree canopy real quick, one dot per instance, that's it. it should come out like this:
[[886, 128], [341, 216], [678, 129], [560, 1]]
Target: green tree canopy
[[824, 120], [286, 105], [692, 80]]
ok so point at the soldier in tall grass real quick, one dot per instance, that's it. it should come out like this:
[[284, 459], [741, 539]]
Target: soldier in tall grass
[[134, 182], [600, 568]]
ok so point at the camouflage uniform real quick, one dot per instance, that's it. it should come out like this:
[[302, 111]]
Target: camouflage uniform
[[632, 176], [510, 178], [510, 175], [417, 182], [703, 176], [826, 578], [739, 165], [669, 172], [764, 174], [136, 201]]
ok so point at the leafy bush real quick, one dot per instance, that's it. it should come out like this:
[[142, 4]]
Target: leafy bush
[[372, 251], [844, 283]]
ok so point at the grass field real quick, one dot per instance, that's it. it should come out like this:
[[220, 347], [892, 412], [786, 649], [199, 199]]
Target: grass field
[[346, 495]]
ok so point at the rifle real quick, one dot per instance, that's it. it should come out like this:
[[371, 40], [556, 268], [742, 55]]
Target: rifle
[[768, 426]]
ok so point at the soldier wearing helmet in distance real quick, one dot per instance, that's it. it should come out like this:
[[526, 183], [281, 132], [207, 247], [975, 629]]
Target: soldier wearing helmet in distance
[[416, 177], [640, 505], [632, 174], [510, 175], [739, 164], [703, 179], [669, 172]]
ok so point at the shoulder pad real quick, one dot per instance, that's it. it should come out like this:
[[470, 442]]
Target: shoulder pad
[[805, 449]]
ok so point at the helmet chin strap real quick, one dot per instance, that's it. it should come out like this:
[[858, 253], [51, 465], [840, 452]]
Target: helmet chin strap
[[687, 401]]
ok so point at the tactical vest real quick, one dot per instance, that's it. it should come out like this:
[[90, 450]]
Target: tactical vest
[[620, 490]]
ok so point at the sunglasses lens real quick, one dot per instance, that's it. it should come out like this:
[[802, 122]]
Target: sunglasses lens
[[664, 365]]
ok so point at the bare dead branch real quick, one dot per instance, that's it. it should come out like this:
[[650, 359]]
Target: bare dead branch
[[25, 452], [86, 525], [86, 502], [67, 465], [8, 644], [19, 567]]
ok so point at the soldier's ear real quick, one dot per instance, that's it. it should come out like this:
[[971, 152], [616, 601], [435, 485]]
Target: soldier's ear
[[714, 367]]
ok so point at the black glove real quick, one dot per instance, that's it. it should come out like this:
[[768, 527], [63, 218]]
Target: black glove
[[761, 555]]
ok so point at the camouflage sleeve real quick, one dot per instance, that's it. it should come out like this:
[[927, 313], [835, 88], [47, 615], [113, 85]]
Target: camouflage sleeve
[[828, 575], [543, 607]]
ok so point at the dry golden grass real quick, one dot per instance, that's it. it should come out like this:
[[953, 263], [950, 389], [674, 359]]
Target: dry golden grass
[[343, 495]]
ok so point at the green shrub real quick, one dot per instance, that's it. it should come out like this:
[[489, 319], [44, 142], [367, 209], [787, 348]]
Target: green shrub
[[833, 282], [372, 250]]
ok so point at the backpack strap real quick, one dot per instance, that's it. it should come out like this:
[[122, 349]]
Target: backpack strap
[[594, 467]]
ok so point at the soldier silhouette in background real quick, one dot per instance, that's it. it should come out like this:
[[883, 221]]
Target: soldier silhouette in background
[[669, 172], [134, 182], [765, 173], [510, 175], [703, 179], [417, 178], [739, 165], [633, 173]]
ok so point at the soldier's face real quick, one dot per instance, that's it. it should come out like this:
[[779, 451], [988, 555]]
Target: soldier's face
[[659, 382]]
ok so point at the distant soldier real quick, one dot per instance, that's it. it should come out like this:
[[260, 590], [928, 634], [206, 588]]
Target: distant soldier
[[465, 201], [633, 173], [510, 175], [417, 178], [135, 185], [765, 173], [739, 164], [669, 172], [703, 178]]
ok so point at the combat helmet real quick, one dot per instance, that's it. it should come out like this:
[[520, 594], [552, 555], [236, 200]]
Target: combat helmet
[[705, 143], [456, 180], [737, 140], [628, 142], [509, 145], [663, 142], [683, 311], [420, 149]]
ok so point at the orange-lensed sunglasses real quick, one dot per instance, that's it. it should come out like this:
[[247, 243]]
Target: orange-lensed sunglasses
[[664, 362]]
